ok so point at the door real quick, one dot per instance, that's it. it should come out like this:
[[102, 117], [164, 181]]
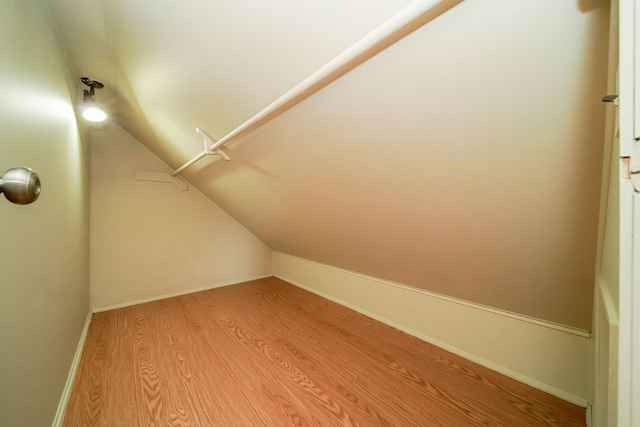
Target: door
[[628, 405]]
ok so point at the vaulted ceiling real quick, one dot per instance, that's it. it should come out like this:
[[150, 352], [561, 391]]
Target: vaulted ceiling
[[465, 159]]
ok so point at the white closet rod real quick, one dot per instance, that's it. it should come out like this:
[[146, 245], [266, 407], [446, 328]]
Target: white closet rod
[[403, 23]]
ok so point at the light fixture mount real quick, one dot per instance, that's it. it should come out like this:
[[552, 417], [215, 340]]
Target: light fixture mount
[[93, 84]]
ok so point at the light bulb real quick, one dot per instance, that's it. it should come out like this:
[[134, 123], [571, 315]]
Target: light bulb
[[94, 114]]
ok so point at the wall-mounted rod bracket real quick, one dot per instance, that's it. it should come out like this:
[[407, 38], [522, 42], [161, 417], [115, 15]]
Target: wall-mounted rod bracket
[[209, 143], [210, 148]]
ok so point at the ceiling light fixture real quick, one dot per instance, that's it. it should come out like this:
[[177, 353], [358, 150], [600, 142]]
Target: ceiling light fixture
[[90, 109]]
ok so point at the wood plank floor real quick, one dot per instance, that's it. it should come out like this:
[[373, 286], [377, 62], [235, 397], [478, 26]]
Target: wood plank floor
[[266, 353]]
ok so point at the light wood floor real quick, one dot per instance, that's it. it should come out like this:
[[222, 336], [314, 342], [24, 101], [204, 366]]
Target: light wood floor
[[266, 353]]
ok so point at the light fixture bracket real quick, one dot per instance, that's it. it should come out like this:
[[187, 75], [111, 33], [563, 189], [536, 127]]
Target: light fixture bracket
[[93, 84]]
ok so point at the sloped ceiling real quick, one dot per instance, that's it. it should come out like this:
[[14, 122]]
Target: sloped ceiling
[[465, 159]]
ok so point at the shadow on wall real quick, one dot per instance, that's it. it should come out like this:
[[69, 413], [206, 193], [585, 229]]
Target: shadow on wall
[[588, 5]]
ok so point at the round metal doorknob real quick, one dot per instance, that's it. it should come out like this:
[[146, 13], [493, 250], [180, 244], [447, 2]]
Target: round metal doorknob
[[20, 185]]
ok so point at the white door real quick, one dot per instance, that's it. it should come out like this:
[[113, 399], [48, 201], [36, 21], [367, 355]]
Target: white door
[[628, 407]]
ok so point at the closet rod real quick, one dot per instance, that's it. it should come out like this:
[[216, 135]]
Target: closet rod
[[403, 23]]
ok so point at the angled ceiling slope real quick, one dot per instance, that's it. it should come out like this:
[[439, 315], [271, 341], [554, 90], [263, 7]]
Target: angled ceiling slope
[[464, 160]]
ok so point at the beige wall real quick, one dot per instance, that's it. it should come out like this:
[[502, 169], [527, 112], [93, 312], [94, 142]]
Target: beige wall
[[544, 355], [465, 159], [150, 240], [44, 246]]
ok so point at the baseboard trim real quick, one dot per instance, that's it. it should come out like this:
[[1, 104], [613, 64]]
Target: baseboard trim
[[176, 294], [480, 361], [68, 387], [520, 317]]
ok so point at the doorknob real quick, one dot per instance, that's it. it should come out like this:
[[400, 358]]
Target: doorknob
[[20, 185]]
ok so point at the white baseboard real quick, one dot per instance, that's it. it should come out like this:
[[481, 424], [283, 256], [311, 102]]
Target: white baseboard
[[68, 387], [551, 359], [176, 294]]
